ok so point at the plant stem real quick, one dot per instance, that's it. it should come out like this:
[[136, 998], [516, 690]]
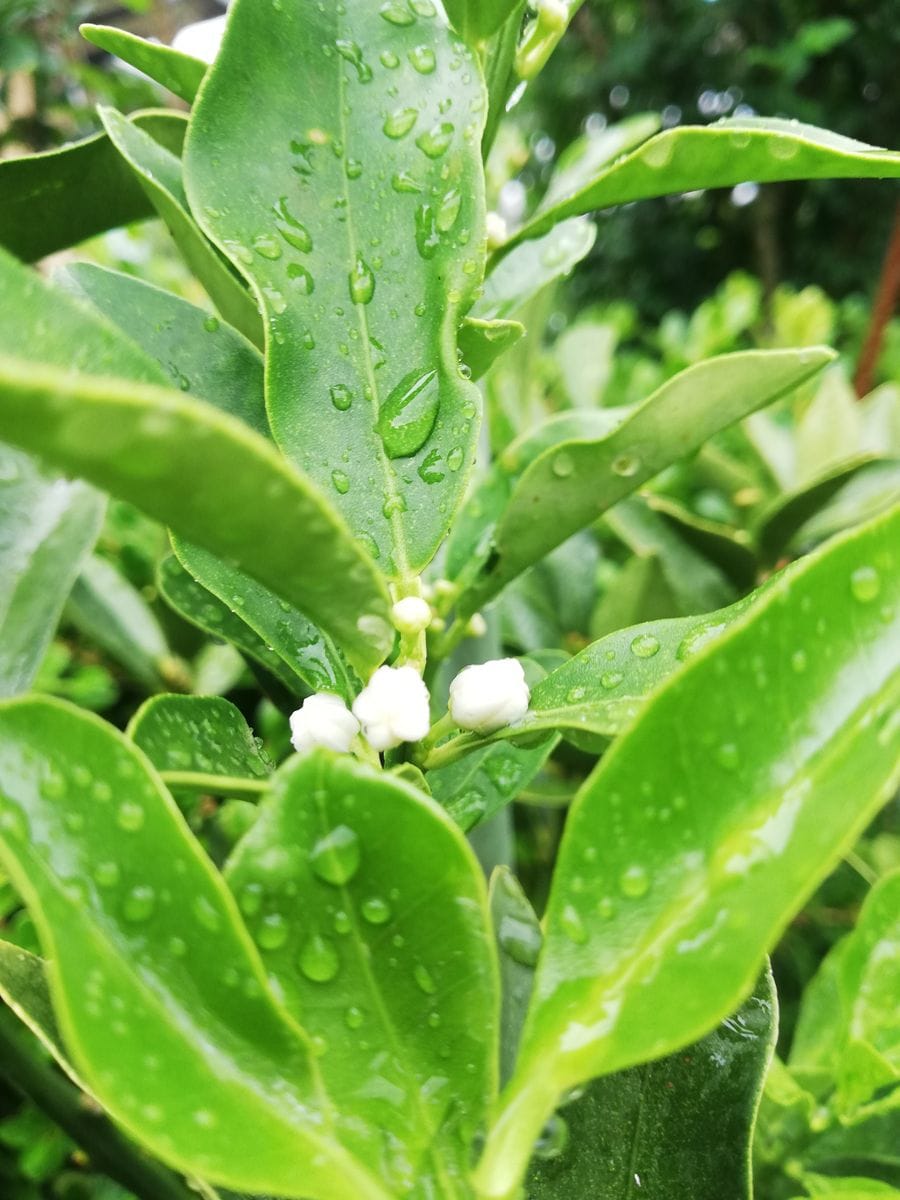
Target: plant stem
[[216, 785], [882, 309], [443, 756], [108, 1149]]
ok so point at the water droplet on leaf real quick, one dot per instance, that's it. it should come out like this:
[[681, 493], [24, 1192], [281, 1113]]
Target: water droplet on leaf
[[335, 857], [408, 414]]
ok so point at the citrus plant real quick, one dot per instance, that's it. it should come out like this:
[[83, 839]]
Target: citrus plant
[[340, 1007]]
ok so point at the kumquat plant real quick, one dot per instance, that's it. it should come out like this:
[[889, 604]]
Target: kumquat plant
[[478, 716]]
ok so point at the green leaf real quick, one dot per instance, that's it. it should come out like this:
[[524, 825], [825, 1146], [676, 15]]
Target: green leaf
[[582, 159], [482, 342], [144, 444], [476, 20], [159, 174], [178, 72], [202, 735], [113, 615], [23, 986], [848, 1032], [522, 273], [54, 200], [572, 483], [476, 787], [518, 935], [285, 631], [683, 858], [688, 157], [659, 1129], [351, 219], [47, 527], [400, 996], [197, 352], [727, 548], [154, 977], [193, 602]]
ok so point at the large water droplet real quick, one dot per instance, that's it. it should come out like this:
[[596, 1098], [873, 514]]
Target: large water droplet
[[341, 397], [266, 246], [130, 816], [562, 465], [396, 13], [408, 414], [361, 281], [422, 59], [424, 979], [429, 470], [335, 857], [572, 925], [428, 236], [553, 1138], [319, 959], [448, 210], [272, 932], [341, 481], [436, 141], [645, 645], [375, 910], [634, 882], [352, 54], [865, 584], [398, 123], [521, 940], [139, 904], [626, 465], [107, 874], [301, 278], [293, 231], [354, 1017], [611, 679]]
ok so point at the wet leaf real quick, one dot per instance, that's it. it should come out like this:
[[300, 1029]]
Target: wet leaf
[[24, 987], [154, 976], [526, 269], [159, 174], [399, 995], [144, 444], [57, 199], [346, 184], [572, 483], [684, 857], [178, 72], [688, 157], [482, 342], [476, 20], [476, 787], [199, 734]]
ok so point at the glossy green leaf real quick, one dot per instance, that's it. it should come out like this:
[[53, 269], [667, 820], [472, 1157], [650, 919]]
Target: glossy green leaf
[[518, 936], [54, 200], [688, 157], [400, 994], [871, 490], [848, 1032], [199, 606], [582, 159], [197, 352], [522, 273], [343, 186], [482, 342], [683, 858], [112, 614], [154, 976], [47, 527], [180, 73], [574, 482], [476, 20], [729, 549], [159, 174], [476, 787], [659, 1130], [282, 628], [144, 444], [201, 735], [24, 987]]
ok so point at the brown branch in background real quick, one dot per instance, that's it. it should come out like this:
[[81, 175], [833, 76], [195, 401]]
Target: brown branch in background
[[883, 309]]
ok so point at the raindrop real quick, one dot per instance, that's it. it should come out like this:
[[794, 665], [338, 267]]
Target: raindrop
[[266, 246], [335, 857], [130, 816], [429, 471], [423, 8], [605, 907], [352, 54], [389, 59], [799, 661], [575, 694], [422, 59], [376, 911], [448, 210], [53, 787], [341, 397], [354, 168], [101, 791], [427, 234], [611, 679], [272, 932], [634, 882], [107, 874], [727, 756], [645, 645], [301, 278], [396, 13], [403, 182], [361, 281], [572, 925], [562, 465], [455, 458], [408, 414], [553, 1138], [139, 904], [293, 231], [354, 1017], [626, 465], [250, 899], [865, 584], [342, 922], [341, 481], [436, 141], [424, 979], [521, 940], [319, 960], [398, 123], [211, 324]]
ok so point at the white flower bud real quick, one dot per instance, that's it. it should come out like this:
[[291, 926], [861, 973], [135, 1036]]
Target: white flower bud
[[411, 615], [495, 228], [553, 14], [323, 720], [487, 697], [393, 707], [477, 626]]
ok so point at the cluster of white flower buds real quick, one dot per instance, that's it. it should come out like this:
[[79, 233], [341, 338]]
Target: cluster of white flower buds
[[394, 707]]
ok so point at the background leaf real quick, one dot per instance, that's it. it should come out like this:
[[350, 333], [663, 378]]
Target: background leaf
[[178, 72], [360, 223], [203, 734]]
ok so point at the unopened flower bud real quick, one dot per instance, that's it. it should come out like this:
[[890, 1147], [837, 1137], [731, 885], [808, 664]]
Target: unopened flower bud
[[323, 720], [393, 707], [411, 615], [495, 228], [487, 697]]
